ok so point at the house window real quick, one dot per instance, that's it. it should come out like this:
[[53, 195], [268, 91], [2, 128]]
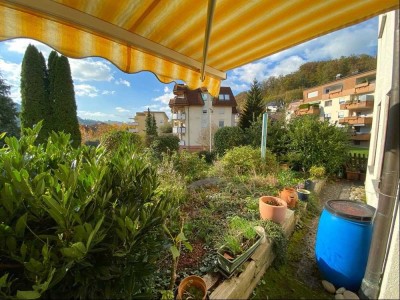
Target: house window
[[224, 97], [327, 117], [312, 94], [341, 100], [204, 111], [340, 114], [328, 103], [221, 111], [221, 123]]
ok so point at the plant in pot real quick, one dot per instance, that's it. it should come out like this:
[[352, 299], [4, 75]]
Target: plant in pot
[[192, 287], [352, 171], [289, 195], [272, 208], [316, 180], [240, 242]]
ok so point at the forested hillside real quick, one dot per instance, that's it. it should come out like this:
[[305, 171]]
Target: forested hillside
[[284, 89]]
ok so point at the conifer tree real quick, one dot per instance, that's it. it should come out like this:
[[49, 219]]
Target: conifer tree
[[154, 126], [8, 112], [33, 90], [62, 93], [254, 106], [151, 125]]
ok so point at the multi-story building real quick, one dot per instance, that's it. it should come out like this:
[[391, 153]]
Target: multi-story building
[[348, 100], [196, 115], [139, 123]]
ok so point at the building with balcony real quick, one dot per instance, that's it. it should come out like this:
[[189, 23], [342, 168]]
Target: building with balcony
[[139, 123], [196, 115], [345, 101]]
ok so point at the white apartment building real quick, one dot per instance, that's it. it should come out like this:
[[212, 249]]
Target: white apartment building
[[348, 100], [195, 114]]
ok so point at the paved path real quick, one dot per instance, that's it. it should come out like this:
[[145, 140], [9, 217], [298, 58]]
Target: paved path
[[307, 269]]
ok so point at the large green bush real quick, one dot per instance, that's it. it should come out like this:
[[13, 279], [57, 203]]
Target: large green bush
[[114, 139], [315, 142], [245, 160], [166, 143], [78, 223], [228, 137], [189, 165]]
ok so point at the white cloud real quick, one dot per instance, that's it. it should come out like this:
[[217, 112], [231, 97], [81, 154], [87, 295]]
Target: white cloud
[[123, 81], [20, 45], [106, 92], [95, 114], [168, 94], [286, 66], [121, 109], [86, 90], [11, 73], [89, 69]]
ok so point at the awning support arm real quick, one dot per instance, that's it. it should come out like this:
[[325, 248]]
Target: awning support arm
[[210, 14]]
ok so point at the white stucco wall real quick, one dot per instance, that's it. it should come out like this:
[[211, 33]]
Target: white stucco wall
[[390, 282]]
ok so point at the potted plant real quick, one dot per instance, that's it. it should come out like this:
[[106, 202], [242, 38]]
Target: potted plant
[[272, 208], [192, 287], [240, 242], [303, 194], [317, 177]]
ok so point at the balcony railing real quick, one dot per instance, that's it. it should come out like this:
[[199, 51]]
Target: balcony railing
[[356, 120], [307, 111], [179, 130], [358, 105], [178, 116], [361, 137]]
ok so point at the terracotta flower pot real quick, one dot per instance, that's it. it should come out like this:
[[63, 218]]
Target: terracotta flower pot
[[290, 196], [272, 212], [189, 283]]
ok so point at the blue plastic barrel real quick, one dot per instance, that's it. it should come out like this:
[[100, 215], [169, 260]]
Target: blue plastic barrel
[[343, 241]]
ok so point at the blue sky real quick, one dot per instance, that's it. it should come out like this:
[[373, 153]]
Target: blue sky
[[103, 92]]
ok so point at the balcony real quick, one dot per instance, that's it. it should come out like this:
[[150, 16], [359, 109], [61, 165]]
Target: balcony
[[358, 105], [307, 111], [178, 116], [176, 129], [356, 120], [361, 137]]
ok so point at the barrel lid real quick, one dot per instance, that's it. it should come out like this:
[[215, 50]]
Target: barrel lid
[[352, 210]]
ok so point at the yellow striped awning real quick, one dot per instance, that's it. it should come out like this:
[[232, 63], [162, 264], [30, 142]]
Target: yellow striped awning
[[178, 39]]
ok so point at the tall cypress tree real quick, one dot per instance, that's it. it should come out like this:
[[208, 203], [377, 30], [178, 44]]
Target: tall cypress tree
[[254, 106], [33, 89], [62, 92]]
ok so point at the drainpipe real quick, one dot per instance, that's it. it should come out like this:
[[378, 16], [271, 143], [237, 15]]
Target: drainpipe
[[388, 190]]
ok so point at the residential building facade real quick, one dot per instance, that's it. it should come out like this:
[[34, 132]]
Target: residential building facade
[[345, 101], [139, 123], [196, 115]]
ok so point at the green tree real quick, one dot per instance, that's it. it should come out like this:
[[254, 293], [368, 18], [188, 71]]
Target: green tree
[[151, 127], [253, 107], [228, 137], [8, 112], [317, 143], [63, 98], [33, 91]]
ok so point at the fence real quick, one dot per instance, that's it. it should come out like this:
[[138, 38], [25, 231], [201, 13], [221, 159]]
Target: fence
[[357, 162]]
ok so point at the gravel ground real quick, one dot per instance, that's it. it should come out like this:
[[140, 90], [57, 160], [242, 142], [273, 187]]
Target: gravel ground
[[343, 189]]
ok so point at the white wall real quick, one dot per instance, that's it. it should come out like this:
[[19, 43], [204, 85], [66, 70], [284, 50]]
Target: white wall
[[390, 281]]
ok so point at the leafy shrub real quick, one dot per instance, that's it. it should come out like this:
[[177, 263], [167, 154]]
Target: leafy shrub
[[226, 138], [166, 143], [78, 223], [245, 160], [114, 139], [317, 172], [317, 143], [190, 165], [208, 156]]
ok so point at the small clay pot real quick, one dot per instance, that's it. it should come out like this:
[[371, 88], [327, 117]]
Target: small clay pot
[[274, 213], [194, 281], [290, 196]]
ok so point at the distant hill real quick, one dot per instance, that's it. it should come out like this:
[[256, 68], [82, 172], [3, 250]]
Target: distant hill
[[88, 121]]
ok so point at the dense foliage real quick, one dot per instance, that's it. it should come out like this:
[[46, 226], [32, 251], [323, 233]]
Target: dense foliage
[[189, 165], [254, 106], [226, 138], [79, 223], [48, 94], [34, 98], [8, 112], [114, 139], [314, 142], [166, 143]]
